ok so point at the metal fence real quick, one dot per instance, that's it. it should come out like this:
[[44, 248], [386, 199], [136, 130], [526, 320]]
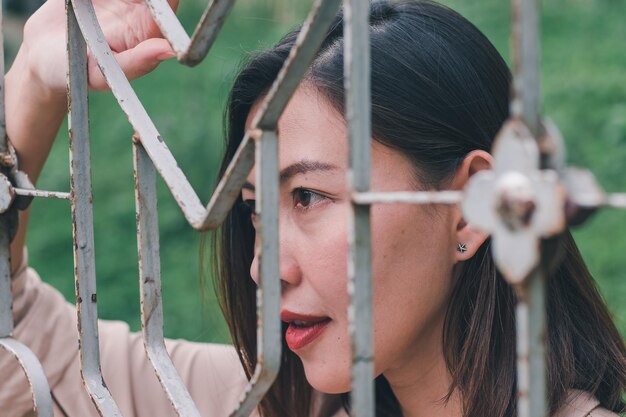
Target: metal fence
[[519, 202]]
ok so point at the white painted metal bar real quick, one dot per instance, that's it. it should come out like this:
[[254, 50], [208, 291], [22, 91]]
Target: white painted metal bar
[[200, 218], [42, 400], [150, 285], [130, 104], [40, 193], [170, 26], [6, 298], [307, 44], [408, 197], [82, 221], [531, 308], [526, 56], [190, 51], [358, 109], [269, 334]]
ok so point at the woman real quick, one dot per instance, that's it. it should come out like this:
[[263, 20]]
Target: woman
[[443, 317]]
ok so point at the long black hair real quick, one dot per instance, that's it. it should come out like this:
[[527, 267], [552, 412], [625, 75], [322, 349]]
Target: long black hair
[[439, 91]]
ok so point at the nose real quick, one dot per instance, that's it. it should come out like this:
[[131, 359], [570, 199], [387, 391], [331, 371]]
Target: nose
[[288, 266]]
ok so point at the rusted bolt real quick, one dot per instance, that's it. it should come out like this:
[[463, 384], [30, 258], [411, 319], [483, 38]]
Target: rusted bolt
[[7, 195], [516, 200]]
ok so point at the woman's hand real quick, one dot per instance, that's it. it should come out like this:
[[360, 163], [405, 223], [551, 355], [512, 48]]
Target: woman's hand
[[129, 29], [35, 86]]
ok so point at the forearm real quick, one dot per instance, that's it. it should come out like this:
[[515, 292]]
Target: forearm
[[33, 117]]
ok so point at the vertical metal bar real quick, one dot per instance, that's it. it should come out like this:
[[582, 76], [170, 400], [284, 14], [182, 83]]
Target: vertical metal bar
[[3, 134], [531, 328], [269, 335], [526, 52], [150, 284], [82, 220], [531, 307], [42, 400], [6, 299], [357, 85]]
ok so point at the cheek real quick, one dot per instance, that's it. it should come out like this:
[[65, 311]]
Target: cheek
[[412, 270]]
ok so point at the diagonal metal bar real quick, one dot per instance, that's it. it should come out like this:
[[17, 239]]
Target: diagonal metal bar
[[150, 285], [269, 333], [130, 104], [82, 221], [307, 44], [42, 400], [190, 51], [358, 108], [226, 193], [206, 31], [169, 24]]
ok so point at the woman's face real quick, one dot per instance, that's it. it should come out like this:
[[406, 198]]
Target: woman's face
[[413, 250]]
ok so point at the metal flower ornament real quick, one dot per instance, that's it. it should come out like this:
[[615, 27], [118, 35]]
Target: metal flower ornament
[[516, 202]]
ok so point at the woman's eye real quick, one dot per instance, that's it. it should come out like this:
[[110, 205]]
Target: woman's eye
[[303, 198], [249, 207]]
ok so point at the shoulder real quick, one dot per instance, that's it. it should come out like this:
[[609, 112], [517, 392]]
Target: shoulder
[[582, 404]]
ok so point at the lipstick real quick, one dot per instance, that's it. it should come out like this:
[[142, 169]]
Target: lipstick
[[303, 329]]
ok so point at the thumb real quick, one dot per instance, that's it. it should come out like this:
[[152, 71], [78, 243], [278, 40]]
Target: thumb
[[135, 62]]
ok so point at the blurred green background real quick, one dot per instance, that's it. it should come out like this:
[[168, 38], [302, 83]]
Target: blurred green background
[[584, 92]]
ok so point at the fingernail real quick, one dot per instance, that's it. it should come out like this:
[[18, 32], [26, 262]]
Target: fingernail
[[166, 55]]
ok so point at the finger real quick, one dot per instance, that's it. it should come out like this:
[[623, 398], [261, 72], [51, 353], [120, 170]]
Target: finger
[[135, 62]]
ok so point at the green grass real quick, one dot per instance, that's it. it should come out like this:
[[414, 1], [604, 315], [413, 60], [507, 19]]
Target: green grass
[[584, 91]]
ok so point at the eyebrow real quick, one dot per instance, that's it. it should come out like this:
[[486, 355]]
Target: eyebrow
[[301, 167]]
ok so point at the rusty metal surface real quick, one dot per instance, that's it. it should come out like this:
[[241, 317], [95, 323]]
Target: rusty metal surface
[[42, 400], [358, 109], [150, 285], [82, 222]]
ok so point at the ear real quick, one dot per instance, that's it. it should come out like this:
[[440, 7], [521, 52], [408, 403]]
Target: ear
[[468, 238]]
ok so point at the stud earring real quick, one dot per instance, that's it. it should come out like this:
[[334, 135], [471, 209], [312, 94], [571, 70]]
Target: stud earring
[[461, 247]]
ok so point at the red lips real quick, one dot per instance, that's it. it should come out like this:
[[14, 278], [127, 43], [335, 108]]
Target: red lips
[[303, 328]]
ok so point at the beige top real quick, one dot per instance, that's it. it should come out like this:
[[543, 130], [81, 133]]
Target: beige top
[[213, 373]]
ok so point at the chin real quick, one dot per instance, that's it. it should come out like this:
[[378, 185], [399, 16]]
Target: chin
[[328, 379]]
